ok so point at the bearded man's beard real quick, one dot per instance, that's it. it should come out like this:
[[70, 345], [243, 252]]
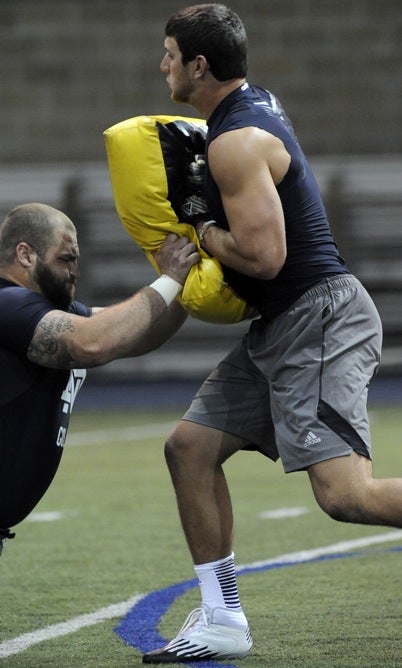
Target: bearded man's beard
[[59, 292]]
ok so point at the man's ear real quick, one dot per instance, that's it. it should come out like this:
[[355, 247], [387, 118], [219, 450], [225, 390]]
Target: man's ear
[[24, 254], [201, 66]]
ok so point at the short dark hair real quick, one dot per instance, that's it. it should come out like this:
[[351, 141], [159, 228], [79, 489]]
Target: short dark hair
[[31, 223], [214, 31]]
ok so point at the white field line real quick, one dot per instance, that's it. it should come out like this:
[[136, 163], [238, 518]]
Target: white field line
[[282, 513], [342, 546], [26, 640], [119, 435], [50, 516]]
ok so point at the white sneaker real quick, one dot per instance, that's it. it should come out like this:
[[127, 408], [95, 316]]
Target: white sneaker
[[200, 639]]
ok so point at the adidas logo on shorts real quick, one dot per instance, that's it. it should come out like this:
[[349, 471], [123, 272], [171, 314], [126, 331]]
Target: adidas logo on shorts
[[311, 439]]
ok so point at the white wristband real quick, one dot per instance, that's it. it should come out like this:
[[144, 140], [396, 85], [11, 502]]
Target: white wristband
[[167, 287]]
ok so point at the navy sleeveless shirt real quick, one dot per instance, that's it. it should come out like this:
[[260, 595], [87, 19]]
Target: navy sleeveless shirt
[[311, 250], [35, 405]]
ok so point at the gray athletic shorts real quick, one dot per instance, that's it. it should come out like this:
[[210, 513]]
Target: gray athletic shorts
[[296, 387]]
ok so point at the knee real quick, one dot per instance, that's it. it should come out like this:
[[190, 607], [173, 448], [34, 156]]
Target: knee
[[172, 449], [178, 451], [343, 488], [190, 448], [340, 506], [336, 508]]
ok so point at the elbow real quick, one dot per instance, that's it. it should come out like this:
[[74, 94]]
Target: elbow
[[268, 268], [268, 273], [91, 355]]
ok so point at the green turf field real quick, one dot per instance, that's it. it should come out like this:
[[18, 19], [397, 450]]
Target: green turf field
[[118, 536]]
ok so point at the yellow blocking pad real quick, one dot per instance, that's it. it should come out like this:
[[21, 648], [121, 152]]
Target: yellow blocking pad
[[140, 189]]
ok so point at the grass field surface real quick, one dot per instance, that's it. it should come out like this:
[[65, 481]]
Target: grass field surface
[[107, 532]]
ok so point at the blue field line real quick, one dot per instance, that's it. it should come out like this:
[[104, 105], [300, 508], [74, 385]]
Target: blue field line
[[139, 627]]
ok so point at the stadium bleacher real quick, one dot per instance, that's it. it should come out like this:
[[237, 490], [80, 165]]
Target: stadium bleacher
[[363, 196]]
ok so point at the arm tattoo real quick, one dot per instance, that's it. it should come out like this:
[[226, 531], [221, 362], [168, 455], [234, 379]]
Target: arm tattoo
[[48, 346]]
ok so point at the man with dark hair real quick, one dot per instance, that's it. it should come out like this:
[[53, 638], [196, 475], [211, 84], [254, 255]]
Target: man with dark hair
[[47, 340], [295, 387]]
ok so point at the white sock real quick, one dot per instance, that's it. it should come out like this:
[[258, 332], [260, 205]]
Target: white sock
[[217, 580]]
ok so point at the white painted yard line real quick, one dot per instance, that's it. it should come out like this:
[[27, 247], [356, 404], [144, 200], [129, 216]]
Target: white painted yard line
[[50, 516], [119, 434], [342, 546], [26, 640], [282, 513]]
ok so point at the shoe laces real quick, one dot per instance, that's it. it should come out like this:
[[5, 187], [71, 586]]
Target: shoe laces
[[197, 619]]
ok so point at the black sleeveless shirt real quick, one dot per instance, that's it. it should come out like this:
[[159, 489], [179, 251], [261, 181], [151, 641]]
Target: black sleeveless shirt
[[311, 250], [35, 405]]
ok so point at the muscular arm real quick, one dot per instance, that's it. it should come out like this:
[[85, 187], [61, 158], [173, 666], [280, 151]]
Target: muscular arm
[[247, 164], [133, 327]]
